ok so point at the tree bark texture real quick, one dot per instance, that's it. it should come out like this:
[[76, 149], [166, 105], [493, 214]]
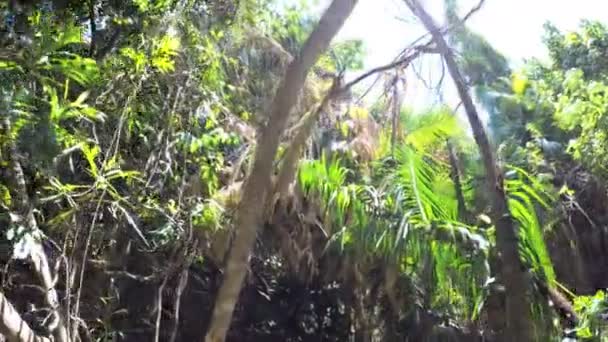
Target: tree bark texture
[[13, 327], [258, 184], [36, 254], [455, 174], [519, 320], [289, 165], [395, 127]]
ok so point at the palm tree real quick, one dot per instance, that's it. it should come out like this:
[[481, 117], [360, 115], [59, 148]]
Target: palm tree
[[406, 215], [518, 316]]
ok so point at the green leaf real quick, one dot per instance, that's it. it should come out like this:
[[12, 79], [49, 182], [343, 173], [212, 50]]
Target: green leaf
[[519, 83], [164, 52], [9, 65], [81, 98], [90, 154], [82, 70], [5, 196]]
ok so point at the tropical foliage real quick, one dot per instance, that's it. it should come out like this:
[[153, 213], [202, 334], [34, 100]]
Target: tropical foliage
[[127, 140]]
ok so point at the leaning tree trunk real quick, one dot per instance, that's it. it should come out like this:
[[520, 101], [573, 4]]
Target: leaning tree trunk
[[396, 113], [519, 321], [251, 207], [289, 166]]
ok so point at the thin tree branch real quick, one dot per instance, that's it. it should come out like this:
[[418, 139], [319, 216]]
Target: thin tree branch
[[441, 78], [420, 77], [472, 11], [183, 281], [159, 308], [401, 62], [412, 45]]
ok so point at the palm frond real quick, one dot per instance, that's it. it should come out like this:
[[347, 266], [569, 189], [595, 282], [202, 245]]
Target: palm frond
[[414, 184], [429, 128], [525, 194]]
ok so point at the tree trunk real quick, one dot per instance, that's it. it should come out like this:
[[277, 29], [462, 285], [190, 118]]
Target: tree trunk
[[396, 113], [455, 174], [37, 255], [259, 183], [23, 209], [13, 327], [519, 320], [292, 154]]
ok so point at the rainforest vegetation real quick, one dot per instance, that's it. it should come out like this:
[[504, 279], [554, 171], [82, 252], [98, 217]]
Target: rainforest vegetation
[[226, 170]]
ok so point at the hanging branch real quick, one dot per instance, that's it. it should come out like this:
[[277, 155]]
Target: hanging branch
[[401, 62], [470, 13], [519, 327]]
